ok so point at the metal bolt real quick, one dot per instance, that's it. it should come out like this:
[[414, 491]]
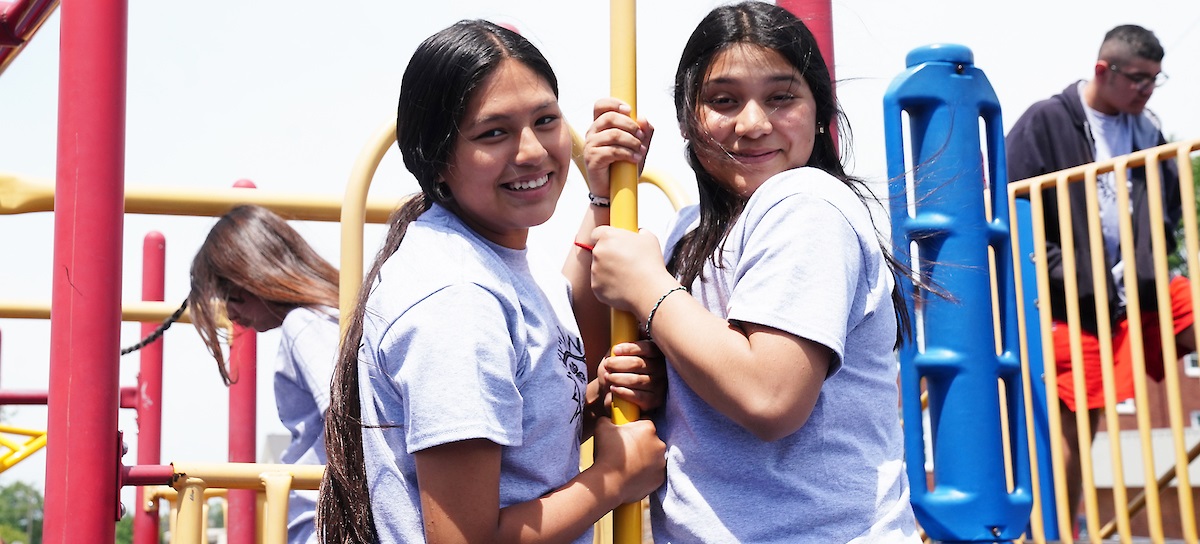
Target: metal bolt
[[995, 531]]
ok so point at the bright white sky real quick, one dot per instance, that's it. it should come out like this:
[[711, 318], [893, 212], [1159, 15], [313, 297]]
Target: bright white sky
[[286, 93]]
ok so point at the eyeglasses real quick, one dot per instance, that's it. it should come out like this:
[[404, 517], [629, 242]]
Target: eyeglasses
[[1141, 81]]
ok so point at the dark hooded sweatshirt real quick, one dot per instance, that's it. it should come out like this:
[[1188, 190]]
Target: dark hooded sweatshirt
[[1054, 135]]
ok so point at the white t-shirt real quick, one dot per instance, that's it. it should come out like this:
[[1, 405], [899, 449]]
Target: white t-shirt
[[303, 368], [802, 258], [461, 341]]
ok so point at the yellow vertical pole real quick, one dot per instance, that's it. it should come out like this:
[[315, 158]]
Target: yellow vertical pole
[[189, 526], [627, 519]]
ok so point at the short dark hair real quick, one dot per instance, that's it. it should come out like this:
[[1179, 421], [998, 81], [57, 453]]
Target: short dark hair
[[1125, 40]]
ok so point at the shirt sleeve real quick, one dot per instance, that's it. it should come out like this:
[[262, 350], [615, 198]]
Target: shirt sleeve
[[799, 272], [314, 352], [455, 366]]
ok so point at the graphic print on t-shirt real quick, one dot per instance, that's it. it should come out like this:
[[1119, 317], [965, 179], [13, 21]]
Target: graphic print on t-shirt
[[570, 352]]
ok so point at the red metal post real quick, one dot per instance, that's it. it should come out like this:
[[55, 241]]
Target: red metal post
[[81, 455], [149, 390], [243, 510], [243, 420]]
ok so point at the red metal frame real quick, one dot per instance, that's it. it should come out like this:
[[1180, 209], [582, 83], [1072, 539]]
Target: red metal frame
[[242, 503], [818, 16], [19, 21], [89, 195], [242, 521], [149, 393]]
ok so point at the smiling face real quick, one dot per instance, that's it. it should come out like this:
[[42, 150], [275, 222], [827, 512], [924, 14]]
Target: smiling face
[[761, 114], [511, 156]]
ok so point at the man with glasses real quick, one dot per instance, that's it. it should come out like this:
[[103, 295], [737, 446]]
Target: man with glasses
[[1092, 121]]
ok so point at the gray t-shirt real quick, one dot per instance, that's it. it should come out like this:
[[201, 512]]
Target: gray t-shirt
[[802, 258], [303, 367], [1112, 136], [461, 341]]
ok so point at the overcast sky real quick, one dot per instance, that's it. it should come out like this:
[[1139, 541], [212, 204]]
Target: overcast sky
[[286, 93]]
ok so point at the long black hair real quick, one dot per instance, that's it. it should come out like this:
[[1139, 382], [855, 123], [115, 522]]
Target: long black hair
[[774, 28], [441, 79]]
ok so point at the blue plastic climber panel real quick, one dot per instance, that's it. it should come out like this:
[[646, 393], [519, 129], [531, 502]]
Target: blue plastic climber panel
[[939, 207]]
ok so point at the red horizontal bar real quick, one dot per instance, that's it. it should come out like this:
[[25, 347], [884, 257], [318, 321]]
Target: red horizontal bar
[[23, 397], [147, 475]]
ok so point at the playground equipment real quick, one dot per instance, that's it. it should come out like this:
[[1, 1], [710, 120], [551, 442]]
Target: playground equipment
[[1026, 205], [971, 500], [19, 21], [957, 230]]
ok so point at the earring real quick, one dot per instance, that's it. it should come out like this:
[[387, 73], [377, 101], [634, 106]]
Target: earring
[[442, 191], [820, 129]]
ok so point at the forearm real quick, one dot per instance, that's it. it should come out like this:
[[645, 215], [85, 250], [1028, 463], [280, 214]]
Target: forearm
[[592, 316], [760, 381], [460, 484], [561, 515]]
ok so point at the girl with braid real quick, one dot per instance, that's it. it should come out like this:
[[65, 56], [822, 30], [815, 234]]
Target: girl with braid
[[258, 272]]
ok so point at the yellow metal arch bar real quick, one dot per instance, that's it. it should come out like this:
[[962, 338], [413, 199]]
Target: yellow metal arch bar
[[667, 185], [354, 215], [19, 195], [139, 311]]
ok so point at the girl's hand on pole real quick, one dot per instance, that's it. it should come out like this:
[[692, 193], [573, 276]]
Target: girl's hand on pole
[[627, 270], [614, 137], [632, 458], [635, 372]]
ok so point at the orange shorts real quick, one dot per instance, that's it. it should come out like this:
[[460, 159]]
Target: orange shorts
[[1181, 311]]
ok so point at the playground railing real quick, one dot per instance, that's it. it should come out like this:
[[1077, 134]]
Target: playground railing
[[1158, 411], [195, 483]]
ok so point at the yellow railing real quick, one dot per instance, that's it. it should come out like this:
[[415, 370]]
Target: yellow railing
[[195, 483], [1153, 482], [161, 492]]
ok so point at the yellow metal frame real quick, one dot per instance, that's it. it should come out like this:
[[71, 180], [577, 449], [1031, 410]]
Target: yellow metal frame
[[154, 493], [1032, 188], [19, 450], [194, 483], [627, 518], [21, 195]]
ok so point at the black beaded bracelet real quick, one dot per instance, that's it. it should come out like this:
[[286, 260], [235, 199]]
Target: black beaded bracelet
[[650, 318], [599, 201]]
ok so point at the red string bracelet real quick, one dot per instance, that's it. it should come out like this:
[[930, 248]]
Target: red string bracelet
[[585, 246]]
